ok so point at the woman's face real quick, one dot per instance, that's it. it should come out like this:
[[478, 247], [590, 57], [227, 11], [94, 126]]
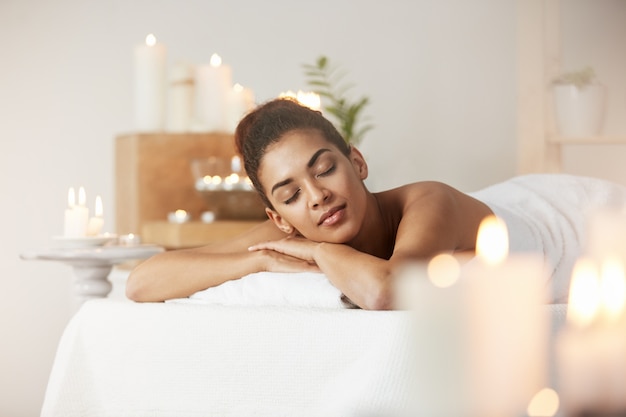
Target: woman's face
[[314, 188]]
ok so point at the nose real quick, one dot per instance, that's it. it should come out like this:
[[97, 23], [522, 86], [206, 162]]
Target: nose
[[317, 194]]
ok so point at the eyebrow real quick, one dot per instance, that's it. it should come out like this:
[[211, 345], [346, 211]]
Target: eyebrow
[[309, 164]]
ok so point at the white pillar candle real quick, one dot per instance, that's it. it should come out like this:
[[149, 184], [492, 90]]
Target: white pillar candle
[[94, 227], [212, 88], [241, 101], [508, 340], [481, 339], [149, 85], [180, 98], [76, 215]]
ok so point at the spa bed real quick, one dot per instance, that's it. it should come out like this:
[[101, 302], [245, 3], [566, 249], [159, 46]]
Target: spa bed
[[202, 358]]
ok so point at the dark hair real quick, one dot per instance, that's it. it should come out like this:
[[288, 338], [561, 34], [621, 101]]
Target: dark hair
[[268, 123]]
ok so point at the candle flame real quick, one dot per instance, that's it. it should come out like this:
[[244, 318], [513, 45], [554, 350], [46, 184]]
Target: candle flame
[[613, 288], [311, 100], [545, 403], [308, 99], [151, 39], [71, 197], [443, 270], [492, 240], [99, 210], [216, 60], [82, 197], [584, 293]]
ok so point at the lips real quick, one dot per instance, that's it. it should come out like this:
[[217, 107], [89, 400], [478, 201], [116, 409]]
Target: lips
[[332, 216]]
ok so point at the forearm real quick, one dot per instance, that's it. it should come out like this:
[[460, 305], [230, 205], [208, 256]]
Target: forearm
[[363, 278], [181, 273]]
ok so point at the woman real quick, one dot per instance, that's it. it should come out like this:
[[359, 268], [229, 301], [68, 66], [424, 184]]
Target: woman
[[321, 217]]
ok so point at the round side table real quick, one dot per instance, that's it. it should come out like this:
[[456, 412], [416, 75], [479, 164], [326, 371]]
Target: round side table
[[92, 265]]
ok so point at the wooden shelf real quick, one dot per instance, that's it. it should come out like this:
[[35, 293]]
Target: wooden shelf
[[595, 140], [193, 234]]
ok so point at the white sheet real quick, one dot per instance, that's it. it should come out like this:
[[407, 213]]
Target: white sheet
[[548, 213], [126, 359], [186, 360], [304, 289]]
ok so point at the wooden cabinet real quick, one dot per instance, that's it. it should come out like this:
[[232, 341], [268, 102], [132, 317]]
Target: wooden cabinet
[[153, 175]]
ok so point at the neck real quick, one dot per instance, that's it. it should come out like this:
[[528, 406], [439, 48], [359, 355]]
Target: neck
[[376, 236]]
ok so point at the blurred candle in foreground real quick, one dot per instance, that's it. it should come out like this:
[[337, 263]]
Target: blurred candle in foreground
[[504, 297], [480, 333], [591, 349], [149, 85]]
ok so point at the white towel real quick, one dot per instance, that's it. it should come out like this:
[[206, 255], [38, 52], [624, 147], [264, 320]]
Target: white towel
[[548, 214], [303, 289]]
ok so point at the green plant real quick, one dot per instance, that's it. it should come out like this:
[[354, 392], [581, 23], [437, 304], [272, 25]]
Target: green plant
[[328, 81], [580, 78]]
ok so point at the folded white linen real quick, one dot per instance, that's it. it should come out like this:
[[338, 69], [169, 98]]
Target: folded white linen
[[304, 289], [548, 214]]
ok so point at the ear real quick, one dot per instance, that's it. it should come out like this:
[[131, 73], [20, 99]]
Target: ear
[[278, 220], [358, 162]]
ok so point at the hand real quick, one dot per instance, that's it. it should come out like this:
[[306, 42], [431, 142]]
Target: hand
[[273, 261], [294, 246]]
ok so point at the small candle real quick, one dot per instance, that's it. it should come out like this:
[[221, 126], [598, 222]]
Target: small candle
[[178, 216], [76, 216], [235, 164], [149, 83], [130, 239], [94, 227], [212, 88]]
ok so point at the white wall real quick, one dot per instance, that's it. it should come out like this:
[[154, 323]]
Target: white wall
[[440, 75]]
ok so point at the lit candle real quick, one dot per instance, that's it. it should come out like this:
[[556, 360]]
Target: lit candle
[[130, 239], [309, 99], [591, 349], [149, 83], [509, 331], [241, 101], [178, 216], [94, 227], [481, 336], [76, 215], [212, 89]]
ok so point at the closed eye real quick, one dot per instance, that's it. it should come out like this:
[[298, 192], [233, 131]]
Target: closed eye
[[328, 171], [293, 198]]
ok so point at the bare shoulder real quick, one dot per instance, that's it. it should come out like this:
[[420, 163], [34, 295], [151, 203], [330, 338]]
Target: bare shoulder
[[432, 216]]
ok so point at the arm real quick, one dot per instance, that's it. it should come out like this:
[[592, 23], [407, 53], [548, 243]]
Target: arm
[[180, 273], [434, 218]]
